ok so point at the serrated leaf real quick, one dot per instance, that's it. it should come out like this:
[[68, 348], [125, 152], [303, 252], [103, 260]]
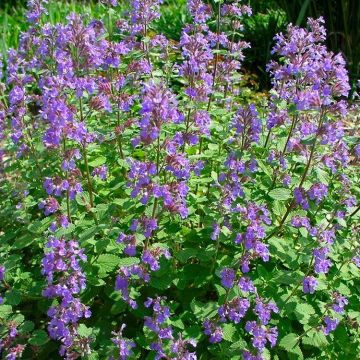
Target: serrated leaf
[[24, 241], [316, 339], [289, 341], [229, 331], [118, 307], [304, 313], [322, 175], [84, 331], [5, 310], [161, 282], [238, 345], [100, 160], [185, 254], [83, 198], [194, 332], [202, 310], [304, 310], [27, 326], [128, 261], [38, 337], [108, 262], [13, 297], [178, 323], [280, 194], [214, 176], [38, 227]]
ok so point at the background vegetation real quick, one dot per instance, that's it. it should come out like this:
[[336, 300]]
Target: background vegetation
[[270, 17]]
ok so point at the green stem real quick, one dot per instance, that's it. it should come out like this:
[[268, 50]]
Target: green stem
[[303, 178], [216, 253], [89, 183], [355, 212], [300, 282], [118, 137], [67, 191], [293, 124], [267, 139], [215, 67]]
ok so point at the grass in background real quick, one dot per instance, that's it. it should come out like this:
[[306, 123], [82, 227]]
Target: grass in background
[[269, 17], [13, 22]]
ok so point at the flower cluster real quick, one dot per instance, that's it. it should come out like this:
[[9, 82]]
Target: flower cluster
[[8, 347], [164, 333], [124, 345], [61, 266], [235, 309]]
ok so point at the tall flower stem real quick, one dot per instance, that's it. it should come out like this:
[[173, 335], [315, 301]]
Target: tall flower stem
[[216, 254], [303, 178], [67, 191], [293, 124], [156, 200], [218, 22], [300, 282], [118, 137], [267, 139], [88, 178], [355, 212]]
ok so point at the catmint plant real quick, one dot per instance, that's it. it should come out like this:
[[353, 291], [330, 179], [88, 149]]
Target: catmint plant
[[153, 206]]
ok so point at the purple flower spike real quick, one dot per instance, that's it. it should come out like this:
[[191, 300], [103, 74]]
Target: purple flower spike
[[330, 325], [215, 332], [263, 310], [124, 345], [227, 276], [339, 303], [309, 285], [2, 272]]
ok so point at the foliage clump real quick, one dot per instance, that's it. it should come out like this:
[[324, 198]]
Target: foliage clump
[[151, 211]]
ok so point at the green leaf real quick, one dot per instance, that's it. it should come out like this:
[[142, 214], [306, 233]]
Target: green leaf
[[203, 311], [289, 341], [108, 262], [98, 161], [5, 310], [83, 198], [238, 345], [24, 241], [39, 337], [194, 332], [214, 175], [27, 326], [161, 282], [84, 331], [322, 175], [303, 312], [128, 261], [118, 307], [279, 208], [185, 254], [229, 331], [280, 194], [178, 323], [316, 339], [13, 297], [38, 227]]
